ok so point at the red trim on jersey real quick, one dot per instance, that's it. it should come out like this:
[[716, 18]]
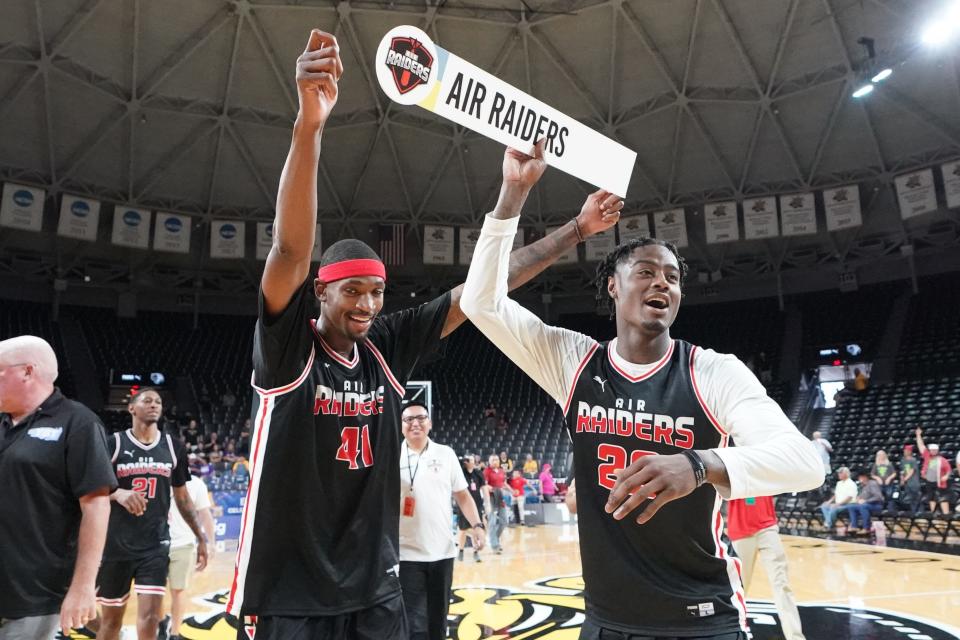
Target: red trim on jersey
[[266, 410], [113, 602], [739, 602], [288, 387], [576, 376], [646, 375], [355, 268], [703, 404], [350, 364], [150, 591], [386, 369]]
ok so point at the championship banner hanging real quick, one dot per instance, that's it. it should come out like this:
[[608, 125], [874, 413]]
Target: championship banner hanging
[[951, 183], [22, 207], [172, 233], [721, 222], [412, 70], [79, 218], [798, 214], [131, 227], [597, 246], [760, 218], [916, 194], [227, 239], [437, 245], [634, 227], [842, 207], [671, 226]]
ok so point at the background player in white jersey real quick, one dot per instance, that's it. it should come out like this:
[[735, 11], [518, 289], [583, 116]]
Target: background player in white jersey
[[329, 388], [650, 418], [183, 550], [150, 466]]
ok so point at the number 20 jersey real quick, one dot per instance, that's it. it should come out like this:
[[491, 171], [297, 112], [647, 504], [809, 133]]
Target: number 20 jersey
[[674, 575], [320, 529]]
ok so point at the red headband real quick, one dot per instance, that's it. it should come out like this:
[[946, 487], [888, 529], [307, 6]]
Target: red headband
[[351, 269]]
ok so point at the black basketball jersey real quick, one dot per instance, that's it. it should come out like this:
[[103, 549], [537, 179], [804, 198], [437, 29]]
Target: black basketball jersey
[[320, 529], [674, 575], [151, 470]]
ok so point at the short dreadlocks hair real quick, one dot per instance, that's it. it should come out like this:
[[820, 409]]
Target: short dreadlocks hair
[[608, 266]]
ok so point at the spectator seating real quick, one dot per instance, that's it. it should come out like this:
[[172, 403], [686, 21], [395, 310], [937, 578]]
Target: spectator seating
[[930, 345], [31, 318], [834, 317]]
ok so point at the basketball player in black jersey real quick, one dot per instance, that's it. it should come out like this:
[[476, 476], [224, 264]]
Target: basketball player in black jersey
[[318, 550], [650, 418], [149, 464]]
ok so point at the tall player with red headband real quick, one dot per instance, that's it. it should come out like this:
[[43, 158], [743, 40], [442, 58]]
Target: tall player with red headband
[[318, 554]]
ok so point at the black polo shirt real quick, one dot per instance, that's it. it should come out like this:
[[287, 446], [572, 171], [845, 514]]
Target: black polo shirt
[[47, 462]]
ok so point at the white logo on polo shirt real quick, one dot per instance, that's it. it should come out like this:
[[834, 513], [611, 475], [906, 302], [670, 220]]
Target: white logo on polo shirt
[[50, 434]]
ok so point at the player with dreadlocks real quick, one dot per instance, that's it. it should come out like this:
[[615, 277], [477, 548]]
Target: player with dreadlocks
[[651, 419], [319, 541]]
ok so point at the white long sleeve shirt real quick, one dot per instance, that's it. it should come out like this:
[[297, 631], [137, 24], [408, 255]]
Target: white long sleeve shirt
[[770, 456]]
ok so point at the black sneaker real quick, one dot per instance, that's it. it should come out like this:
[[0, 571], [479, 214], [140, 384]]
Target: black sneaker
[[163, 629]]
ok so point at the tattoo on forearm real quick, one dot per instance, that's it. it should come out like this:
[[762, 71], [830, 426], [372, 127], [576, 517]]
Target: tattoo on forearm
[[189, 513]]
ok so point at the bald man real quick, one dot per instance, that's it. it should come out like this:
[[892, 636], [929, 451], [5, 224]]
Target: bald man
[[55, 484]]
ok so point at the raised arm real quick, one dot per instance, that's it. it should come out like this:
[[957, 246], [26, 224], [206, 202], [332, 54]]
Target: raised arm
[[520, 173], [921, 447], [294, 227]]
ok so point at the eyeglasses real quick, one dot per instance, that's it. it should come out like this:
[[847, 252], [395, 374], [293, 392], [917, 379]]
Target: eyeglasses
[[420, 418]]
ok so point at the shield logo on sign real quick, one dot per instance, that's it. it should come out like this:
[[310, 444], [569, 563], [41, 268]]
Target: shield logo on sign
[[405, 78]]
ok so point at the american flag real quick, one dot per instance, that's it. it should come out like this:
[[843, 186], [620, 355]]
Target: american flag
[[392, 243]]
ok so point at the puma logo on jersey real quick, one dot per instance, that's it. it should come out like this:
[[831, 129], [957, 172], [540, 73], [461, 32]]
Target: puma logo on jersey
[[128, 453], [601, 382]]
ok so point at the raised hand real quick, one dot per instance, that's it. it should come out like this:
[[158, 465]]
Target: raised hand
[[600, 211], [318, 73], [521, 170]]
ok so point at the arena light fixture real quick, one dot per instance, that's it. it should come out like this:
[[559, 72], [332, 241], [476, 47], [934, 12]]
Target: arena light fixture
[[882, 75], [944, 26], [862, 91]]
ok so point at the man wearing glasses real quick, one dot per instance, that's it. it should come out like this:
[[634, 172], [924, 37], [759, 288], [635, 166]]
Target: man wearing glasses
[[430, 474], [55, 503]]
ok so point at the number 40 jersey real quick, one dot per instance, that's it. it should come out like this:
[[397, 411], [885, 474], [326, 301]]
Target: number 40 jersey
[[151, 470]]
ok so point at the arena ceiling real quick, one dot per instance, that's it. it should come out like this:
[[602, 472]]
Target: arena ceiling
[[187, 105]]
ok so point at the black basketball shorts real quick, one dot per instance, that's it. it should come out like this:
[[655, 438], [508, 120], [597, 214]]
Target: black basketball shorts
[[148, 574], [384, 621]]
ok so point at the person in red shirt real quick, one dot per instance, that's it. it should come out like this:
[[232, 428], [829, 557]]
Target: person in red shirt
[[518, 483], [494, 475], [935, 474], [496, 480], [752, 527]]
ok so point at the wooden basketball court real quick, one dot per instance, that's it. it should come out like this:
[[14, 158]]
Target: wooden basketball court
[[533, 591]]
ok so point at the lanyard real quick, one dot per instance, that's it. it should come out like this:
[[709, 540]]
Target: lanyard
[[410, 470]]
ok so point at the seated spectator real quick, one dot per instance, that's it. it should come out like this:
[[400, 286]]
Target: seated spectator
[[211, 441], [215, 457], [548, 487], [191, 437], [506, 462], [860, 381], [503, 424], [230, 453], [530, 466], [228, 399], [869, 502], [518, 486], [490, 417], [885, 474], [935, 473], [241, 467], [843, 494], [910, 480]]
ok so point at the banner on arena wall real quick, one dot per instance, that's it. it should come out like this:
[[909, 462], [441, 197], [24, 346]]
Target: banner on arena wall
[[265, 242], [671, 226], [597, 246], [634, 227], [760, 218], [412, 70], [916, 194], [22, 207], [79, 218], [798, 214], [171, 232], [951, 183], [721, 222], [131, 227], [227, 239], [842, 207], [437, 245], [567, 257]]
